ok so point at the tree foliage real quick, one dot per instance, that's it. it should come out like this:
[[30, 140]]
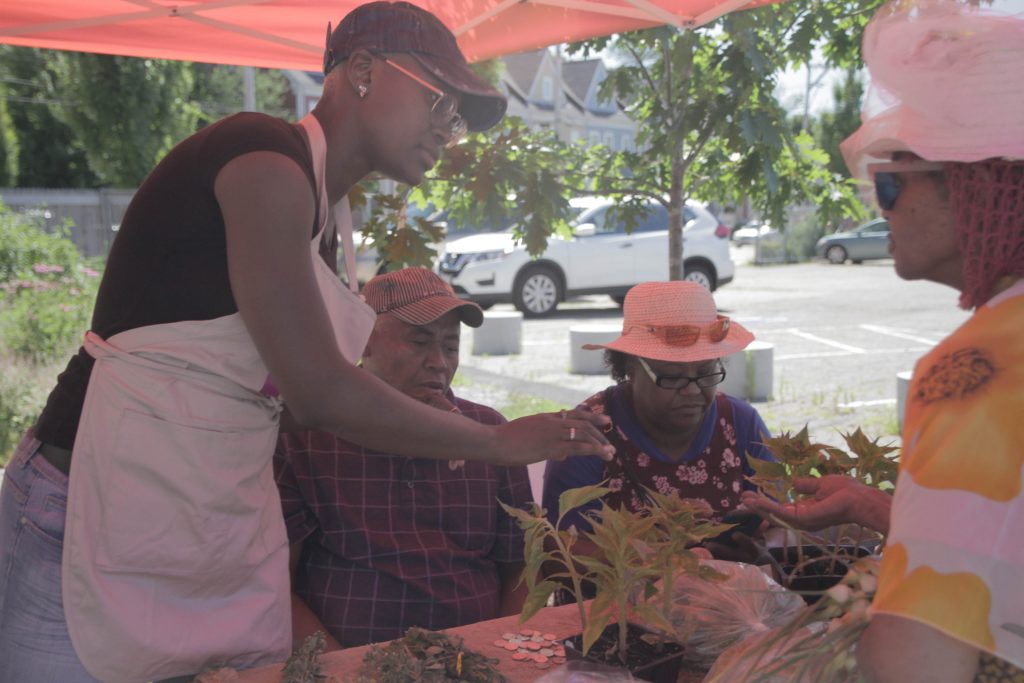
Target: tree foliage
[[126, 112], [48, 153], [709, 127], [83, 120]]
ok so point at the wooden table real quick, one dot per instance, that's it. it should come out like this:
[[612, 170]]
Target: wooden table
[[562, 621]]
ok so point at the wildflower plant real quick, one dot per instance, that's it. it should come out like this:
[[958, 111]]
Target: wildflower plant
[[638, 553]]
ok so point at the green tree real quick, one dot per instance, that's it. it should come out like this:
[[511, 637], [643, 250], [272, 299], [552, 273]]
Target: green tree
[[48, 153], [834, 126], [709, 128], [218, 92], [126, 112]]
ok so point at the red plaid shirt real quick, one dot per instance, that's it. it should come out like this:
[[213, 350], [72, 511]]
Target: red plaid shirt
[[391, 542]]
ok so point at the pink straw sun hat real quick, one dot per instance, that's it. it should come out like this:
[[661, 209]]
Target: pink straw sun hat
[[675, 322]]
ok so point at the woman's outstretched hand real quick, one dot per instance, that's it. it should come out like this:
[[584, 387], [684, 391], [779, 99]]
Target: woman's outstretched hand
[[553, 435], [833, 499]]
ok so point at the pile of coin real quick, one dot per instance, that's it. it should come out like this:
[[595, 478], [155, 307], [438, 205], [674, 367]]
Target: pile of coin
[[531, 646]]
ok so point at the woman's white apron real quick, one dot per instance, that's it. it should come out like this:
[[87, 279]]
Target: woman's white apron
[[175, 551]]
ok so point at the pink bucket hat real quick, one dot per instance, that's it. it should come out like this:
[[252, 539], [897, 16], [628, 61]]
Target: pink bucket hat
[[675, 322], [418, 296], [946, 83]]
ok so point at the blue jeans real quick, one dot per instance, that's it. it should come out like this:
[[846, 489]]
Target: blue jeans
[[34, 642]]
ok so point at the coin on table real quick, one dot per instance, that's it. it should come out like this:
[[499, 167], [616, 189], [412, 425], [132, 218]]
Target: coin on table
[[559, 651], [543, 665], [526, 632], [550, 636], [558, 660], [519, 656], [511, 647], [533, 646], [547, 651], [539, 658], [500, 643], [508, 636]]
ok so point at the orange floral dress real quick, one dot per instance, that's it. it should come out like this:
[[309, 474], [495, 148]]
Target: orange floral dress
[[955, 554]]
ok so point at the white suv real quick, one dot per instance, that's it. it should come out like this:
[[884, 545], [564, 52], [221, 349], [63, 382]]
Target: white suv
[[599, 259]]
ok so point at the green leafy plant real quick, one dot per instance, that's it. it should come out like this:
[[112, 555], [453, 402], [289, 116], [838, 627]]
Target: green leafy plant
[[637, 556], [797, 456], [867, 461]]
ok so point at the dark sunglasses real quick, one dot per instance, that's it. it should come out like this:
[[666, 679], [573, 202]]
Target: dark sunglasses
[[887, 180]]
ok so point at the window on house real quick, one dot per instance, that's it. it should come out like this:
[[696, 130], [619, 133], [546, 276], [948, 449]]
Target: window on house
[[547, 89]]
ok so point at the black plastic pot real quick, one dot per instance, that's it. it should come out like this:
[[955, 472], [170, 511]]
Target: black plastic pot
[[811, 569], [659, 663]]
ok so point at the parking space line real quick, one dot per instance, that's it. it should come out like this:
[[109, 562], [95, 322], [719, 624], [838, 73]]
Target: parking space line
[[827, 342], [864, 404], [899, 335]]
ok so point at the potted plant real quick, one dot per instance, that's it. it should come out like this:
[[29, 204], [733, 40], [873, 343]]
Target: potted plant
[[815, 563], [637, 556]]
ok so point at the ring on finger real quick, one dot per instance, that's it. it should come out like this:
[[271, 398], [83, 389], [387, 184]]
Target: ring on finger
[[572, 433]]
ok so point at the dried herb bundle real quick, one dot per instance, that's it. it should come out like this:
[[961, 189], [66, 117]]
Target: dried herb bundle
[[304, 664], [430, 657]]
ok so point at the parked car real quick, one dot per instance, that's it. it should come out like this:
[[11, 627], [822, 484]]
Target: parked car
[[752, 232], [368, 260], [600, 258], [867, 241]]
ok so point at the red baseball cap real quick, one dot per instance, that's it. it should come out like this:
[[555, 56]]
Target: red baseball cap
[[401, 27], [418, 296]]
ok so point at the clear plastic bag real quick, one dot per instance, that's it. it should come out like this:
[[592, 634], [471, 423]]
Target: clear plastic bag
[[579, 671], [785, 656], [710, 616]]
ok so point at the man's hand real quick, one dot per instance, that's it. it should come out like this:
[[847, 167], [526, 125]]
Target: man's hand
[[834, 499], [553, 435]]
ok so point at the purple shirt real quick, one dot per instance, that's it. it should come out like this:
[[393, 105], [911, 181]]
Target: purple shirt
[[712, 469], [391, 542]]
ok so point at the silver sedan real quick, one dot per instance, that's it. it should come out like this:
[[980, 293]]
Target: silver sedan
[[868, 241]]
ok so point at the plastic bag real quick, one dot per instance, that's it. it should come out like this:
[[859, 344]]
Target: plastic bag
[[785, 656], [710, 616], [580, 671]]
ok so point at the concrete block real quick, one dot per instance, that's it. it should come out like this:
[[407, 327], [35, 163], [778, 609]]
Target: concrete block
[[500, 335], [902, 388], [586, 362], [749, 374]]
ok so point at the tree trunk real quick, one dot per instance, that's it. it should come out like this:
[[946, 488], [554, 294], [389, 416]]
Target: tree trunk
[[675, 221]]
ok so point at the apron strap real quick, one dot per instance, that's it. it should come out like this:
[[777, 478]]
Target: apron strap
[[342, 212]]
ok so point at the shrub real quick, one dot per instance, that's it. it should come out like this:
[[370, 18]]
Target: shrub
[[46, 288], [25, 242], [23, 390]]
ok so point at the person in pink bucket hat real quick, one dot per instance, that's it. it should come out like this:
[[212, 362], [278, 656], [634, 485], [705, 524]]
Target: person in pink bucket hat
[[943, 140], [672, 431]]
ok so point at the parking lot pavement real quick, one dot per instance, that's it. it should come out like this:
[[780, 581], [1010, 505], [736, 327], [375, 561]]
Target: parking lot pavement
[[840, 336]]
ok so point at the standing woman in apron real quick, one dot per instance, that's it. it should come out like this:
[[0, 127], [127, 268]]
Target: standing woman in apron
[[141, 535]]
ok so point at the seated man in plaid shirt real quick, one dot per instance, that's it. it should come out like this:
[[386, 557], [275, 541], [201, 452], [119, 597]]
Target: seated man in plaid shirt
[[382, 542]]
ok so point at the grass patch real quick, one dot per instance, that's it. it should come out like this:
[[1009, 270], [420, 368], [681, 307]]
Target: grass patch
[[519, 405]]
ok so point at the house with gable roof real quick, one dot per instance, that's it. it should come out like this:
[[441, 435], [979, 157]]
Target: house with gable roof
[[544, 90], [550, 93]]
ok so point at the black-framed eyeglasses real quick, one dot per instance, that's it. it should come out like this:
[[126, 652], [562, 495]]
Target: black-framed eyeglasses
[[444, 112], [887, 181], [679, 383]]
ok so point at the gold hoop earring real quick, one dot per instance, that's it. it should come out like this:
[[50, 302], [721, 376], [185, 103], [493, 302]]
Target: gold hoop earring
[[362, 91]]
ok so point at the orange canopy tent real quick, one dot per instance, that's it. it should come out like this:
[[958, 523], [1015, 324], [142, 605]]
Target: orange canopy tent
[[289, 34]]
